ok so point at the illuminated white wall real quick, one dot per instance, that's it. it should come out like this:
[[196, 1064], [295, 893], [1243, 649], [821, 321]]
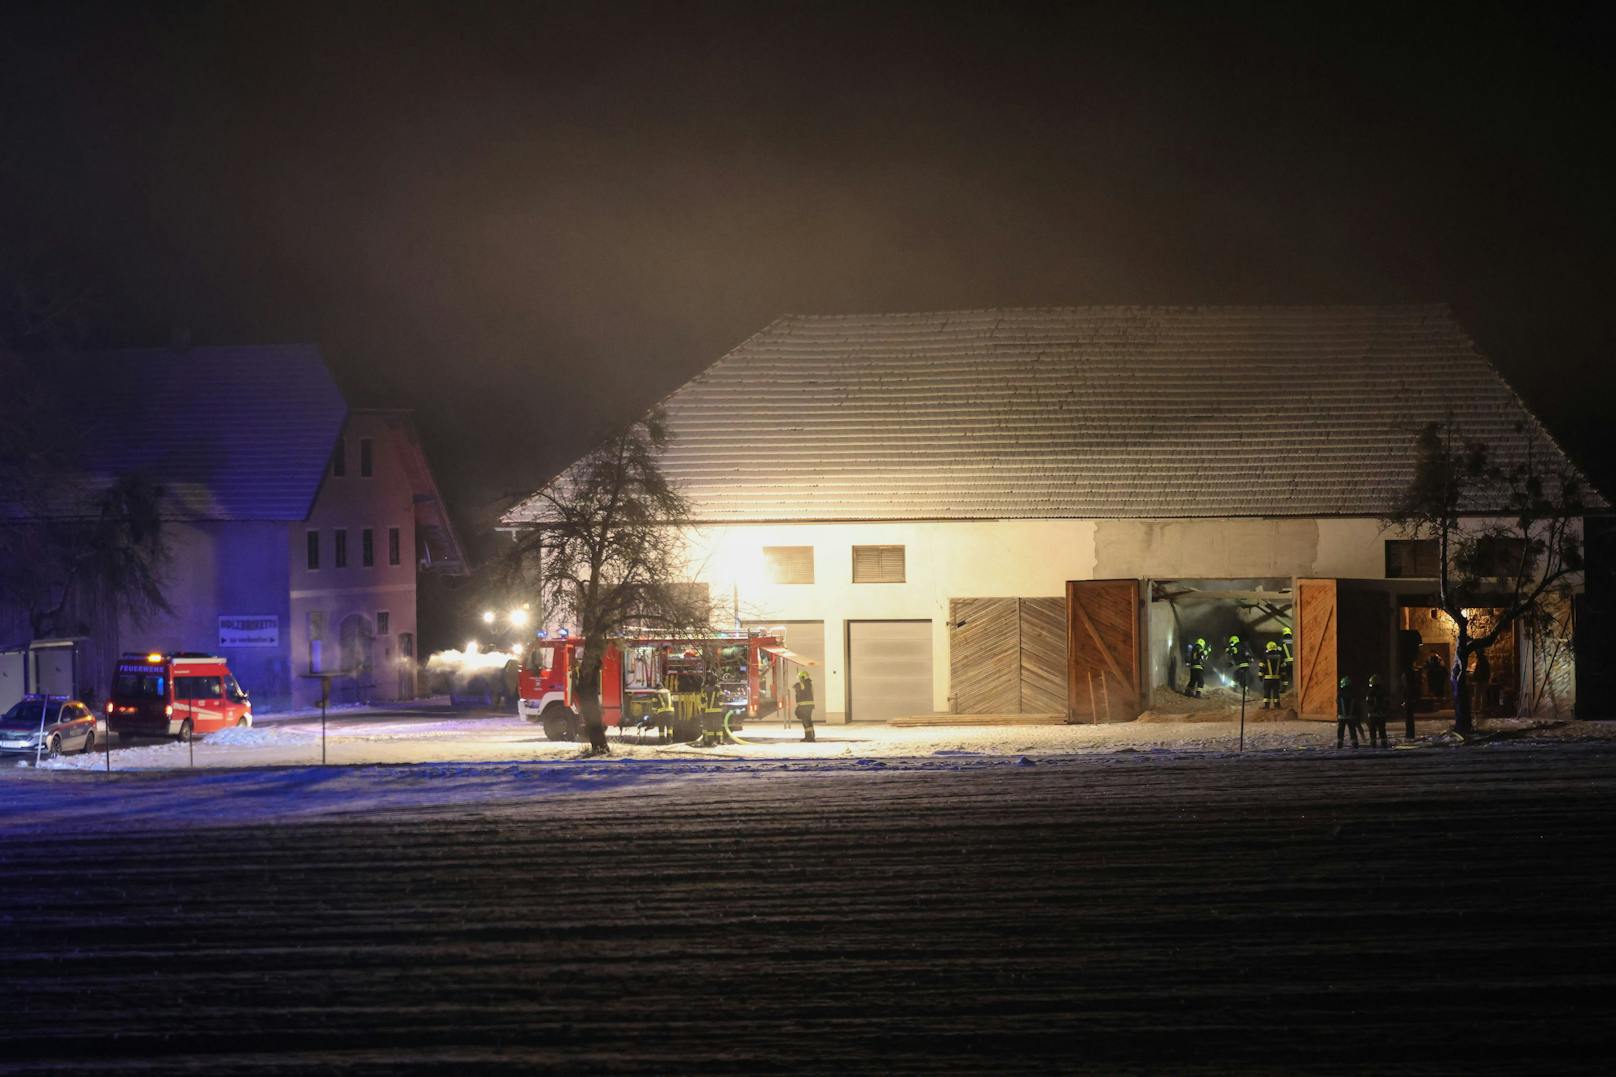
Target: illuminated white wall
[[1004, 558]]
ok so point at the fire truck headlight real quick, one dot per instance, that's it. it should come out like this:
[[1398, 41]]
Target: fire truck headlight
[[519, 618]]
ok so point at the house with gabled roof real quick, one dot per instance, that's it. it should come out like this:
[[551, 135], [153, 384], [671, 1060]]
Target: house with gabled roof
[[1035, 511], [296, 524]]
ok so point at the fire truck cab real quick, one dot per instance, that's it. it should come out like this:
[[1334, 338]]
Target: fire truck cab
[[174, 695], [668, 682]]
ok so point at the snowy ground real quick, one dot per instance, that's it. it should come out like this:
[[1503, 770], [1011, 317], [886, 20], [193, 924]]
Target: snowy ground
[[360, 736], [1420, 911]]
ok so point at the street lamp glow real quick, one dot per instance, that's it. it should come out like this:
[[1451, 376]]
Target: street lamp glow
[[519, 618], [488, 617]]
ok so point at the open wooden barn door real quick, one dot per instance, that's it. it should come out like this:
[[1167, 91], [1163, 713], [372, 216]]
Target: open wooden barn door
[[1102, 650], [1316, 625]]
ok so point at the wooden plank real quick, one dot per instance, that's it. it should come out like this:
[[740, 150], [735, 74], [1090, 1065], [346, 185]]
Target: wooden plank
[[1043, 655], [983, 651], [1102, 650], [1316, 647]]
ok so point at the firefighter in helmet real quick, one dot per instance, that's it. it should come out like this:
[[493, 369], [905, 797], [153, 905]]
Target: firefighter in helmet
[[1273, 668], [1239, 656], [805, 704], [1346, 713], [1197, 656], [1288, 646], [1375, 705]]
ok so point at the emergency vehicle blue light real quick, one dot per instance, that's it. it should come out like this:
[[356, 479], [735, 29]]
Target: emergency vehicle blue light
[[541, 634], [563, 633]]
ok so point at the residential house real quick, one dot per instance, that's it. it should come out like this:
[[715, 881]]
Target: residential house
[[296, 525]]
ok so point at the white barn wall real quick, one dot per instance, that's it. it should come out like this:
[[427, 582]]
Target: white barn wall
[[1003, 558]]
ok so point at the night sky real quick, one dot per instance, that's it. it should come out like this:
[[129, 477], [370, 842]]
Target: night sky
[[531, 222]]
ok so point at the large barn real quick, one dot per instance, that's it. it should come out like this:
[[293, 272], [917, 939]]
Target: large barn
[[1033, 511]]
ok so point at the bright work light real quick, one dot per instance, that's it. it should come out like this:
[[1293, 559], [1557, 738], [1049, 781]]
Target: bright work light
[[519, 618], [488, 617]]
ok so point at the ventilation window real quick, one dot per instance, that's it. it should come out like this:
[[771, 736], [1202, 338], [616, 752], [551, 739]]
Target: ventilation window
[[789, 564], [878, 564], [1412, 559]]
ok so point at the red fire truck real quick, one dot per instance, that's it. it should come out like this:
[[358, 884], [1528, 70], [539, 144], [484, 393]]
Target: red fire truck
[[663, 682]]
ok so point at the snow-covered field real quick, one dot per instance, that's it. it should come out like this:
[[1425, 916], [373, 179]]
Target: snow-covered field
[[359, 736], [1424, 911]]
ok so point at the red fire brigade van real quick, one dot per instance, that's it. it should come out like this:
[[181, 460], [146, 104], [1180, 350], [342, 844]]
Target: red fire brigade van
[[174, 695], [676, 677]]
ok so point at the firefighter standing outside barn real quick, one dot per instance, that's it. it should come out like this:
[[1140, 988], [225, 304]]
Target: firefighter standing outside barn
[[1346, 713], [1375, 705], [1198, 654], [1273, 669], [805, 704]]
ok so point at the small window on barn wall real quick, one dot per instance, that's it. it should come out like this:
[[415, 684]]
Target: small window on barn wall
[[339, 458], [314, 550], [878, 564], [339, 547], [366, 458], [384, 622], [789, 564], [392, 545], [1412, 559], [367, 548]]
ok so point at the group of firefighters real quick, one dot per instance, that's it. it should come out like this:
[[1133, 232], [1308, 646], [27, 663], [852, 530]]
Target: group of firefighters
[[1275, 665]]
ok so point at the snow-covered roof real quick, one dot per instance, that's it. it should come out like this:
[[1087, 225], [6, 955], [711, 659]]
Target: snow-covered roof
[[230, 433], [1087, 412]]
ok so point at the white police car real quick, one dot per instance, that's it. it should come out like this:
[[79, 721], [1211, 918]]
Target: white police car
[[48, 725]]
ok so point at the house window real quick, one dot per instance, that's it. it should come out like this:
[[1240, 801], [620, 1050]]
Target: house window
[[384, 622], [339, 458], [789, 564], [878, 564], [339, 553], [367, 548], [1412, 559], [365, 461], [317, 624], [314, 550], [392, 545]]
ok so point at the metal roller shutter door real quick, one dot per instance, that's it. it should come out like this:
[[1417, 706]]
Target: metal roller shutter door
[[889, 669]]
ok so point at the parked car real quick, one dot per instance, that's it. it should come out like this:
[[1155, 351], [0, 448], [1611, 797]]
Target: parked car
[[49, 725]]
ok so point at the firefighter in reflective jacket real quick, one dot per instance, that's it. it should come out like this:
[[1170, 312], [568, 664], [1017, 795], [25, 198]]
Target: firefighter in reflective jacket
[[1239, 656], [1375, 704], [805, 704], [1197, 656], [1346, 713], [1273, 668], [1287, 645]]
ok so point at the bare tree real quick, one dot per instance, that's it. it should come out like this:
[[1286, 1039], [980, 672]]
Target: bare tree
[[107, 558], [73, 546], [604, 550], [1507, 538]]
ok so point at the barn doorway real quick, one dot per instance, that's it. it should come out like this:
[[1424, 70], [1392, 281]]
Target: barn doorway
[[1184, 611]]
